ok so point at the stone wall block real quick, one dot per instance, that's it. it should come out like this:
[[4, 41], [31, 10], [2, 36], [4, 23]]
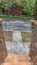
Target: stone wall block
[[3, 50]]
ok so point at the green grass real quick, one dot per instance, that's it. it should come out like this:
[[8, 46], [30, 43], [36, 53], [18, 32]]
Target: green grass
[[25, 36], [4, 16], [16, 17]]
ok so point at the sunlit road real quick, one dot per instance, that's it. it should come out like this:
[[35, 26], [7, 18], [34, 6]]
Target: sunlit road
[[10, 25]]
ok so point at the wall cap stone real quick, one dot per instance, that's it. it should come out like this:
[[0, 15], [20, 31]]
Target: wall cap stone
[[1, 20], [34, 22]]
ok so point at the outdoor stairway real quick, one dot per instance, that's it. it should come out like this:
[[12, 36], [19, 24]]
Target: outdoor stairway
[[17, 60], [17, 45]]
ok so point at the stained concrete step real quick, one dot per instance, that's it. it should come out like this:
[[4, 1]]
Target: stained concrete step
[[17, 57], [17, 60], [17, 36], [25, 63]]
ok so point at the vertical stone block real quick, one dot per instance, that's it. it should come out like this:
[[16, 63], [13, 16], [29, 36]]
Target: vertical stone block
[[33, 45], [3, 50]]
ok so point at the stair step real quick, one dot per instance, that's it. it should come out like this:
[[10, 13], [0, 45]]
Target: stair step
[[25, 63], [16, 58], [13, 59]]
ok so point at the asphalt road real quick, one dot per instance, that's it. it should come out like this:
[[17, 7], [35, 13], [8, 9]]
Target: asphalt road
[[16, 25]]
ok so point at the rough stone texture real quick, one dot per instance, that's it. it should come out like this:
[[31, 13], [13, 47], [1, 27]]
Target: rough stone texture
[[8, 35], [33, 46], [3, 50]]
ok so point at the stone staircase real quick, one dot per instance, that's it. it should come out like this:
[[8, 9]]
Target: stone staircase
[[19, 59]]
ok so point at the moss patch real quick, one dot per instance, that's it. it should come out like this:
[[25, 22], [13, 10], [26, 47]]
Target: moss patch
[[25, 36]]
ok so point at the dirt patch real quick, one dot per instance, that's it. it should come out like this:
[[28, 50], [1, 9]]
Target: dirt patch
[[8, 35]]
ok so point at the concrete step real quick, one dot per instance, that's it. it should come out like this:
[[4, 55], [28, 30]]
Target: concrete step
[[17, 60], [25, 63]]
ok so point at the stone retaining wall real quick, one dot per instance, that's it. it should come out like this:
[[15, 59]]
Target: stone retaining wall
[[3, 50], [33, 45]]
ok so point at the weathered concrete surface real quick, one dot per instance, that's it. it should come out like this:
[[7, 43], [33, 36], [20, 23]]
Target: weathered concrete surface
[[17, 36], [13, 59], [17, 46], [3, 50]]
